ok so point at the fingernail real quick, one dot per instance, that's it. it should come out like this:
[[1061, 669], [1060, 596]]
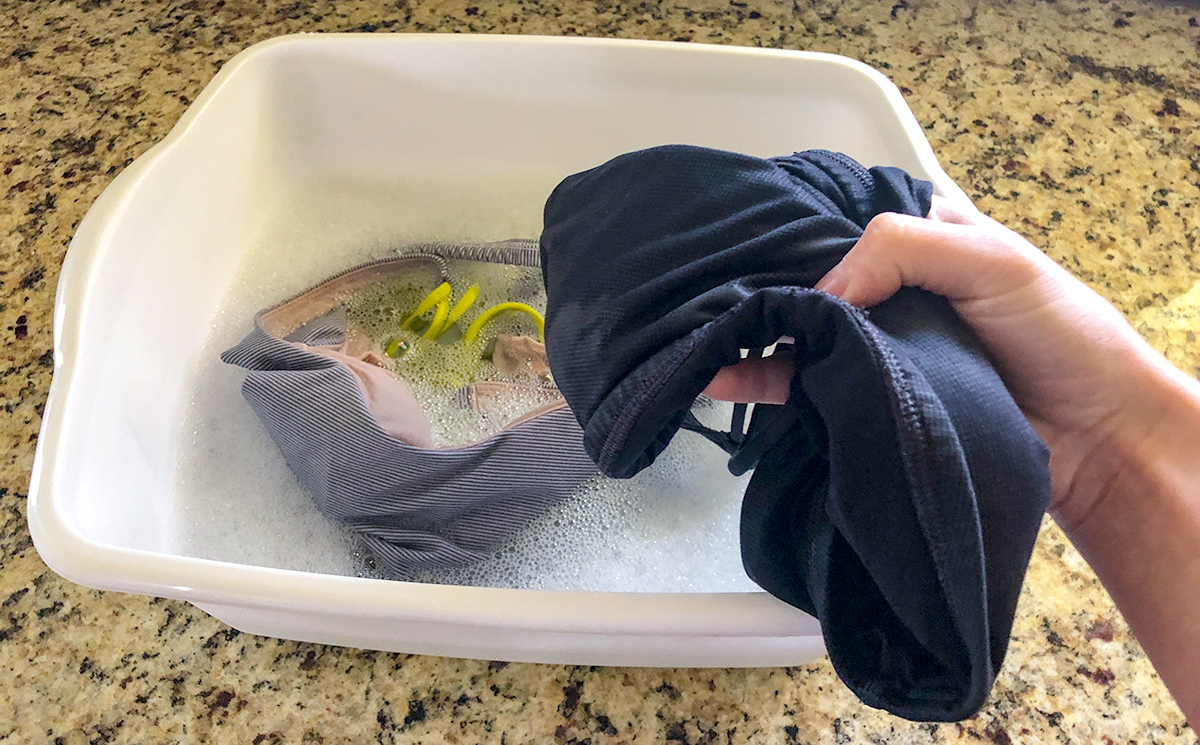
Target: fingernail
[[835, 282]]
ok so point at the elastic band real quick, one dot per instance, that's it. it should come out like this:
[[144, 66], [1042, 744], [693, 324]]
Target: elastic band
[[516, 251]]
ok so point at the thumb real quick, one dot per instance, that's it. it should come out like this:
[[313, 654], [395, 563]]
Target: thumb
[[959, 262]]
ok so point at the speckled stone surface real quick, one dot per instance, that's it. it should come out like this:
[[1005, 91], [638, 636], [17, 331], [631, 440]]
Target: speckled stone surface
[[1072, 121]]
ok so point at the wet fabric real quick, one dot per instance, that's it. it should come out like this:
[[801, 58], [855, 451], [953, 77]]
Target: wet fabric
[[897, 494], [360, 445]]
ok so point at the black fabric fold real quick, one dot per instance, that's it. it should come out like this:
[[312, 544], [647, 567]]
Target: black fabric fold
[[897, 494]]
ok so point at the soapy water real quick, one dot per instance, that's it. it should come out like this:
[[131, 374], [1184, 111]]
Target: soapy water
[[434, 370], [378, 313], [672, 528]]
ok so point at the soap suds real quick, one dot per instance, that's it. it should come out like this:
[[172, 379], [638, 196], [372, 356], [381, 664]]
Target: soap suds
[[672, 528]]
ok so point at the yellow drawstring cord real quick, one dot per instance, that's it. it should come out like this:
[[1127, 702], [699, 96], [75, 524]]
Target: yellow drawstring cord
[[466, 301], [395, 347], [439, 294], [474, 329], [444, 315], [438, 324]]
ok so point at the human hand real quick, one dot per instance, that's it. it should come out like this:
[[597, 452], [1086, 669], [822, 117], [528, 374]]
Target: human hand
[[1088, 383]]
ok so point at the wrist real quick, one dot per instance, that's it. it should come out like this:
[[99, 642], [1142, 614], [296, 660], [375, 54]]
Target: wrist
[[1147, 451], [1135, 518]]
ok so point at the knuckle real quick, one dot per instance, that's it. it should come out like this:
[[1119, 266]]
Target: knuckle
[[886, 238], [884, 228]]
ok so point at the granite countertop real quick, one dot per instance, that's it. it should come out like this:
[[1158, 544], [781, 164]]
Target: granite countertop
[[1072, 121]]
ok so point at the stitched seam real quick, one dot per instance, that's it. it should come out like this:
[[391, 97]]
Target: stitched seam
[[911, 419], [631, 406]]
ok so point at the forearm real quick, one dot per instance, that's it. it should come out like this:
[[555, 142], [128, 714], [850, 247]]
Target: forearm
[[1141, 534]]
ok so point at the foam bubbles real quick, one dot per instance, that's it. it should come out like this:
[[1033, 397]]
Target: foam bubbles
[[672, 528], [435, 370]]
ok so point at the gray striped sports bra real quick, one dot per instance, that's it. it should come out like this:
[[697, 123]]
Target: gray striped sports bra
[[359, 442]]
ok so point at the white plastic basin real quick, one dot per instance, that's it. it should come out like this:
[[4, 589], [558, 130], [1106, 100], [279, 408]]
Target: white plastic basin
[[452, 121]]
